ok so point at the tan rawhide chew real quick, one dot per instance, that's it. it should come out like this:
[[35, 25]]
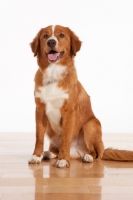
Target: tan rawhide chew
[[63, 108]]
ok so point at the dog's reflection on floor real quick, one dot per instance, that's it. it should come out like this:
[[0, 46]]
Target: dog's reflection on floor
[[78, 169]]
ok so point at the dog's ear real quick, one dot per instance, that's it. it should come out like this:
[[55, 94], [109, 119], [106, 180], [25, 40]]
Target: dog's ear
[[35, 44], [75, 44]]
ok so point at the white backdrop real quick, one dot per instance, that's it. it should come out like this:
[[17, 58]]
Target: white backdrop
[[104, 64]]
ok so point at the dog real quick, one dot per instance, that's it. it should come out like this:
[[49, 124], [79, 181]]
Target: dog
[[63, 107]]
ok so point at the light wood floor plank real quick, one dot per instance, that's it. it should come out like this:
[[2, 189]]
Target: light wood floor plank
[[53, 196], [66, 181], [111, 190], [45, 189]]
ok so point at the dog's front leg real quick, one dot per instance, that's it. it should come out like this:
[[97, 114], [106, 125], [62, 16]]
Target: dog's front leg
[[68, 119], [41, 122]]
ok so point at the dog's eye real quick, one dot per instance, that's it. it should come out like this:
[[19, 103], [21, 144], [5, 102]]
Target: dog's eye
[[62, 35], [45, 36]]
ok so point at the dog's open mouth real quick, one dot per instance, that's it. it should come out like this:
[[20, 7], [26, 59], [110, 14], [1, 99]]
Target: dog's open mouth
[[53, 56]]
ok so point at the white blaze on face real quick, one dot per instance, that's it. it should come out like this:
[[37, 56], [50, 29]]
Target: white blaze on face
[[53, 36], [53, 28], [53, 56]]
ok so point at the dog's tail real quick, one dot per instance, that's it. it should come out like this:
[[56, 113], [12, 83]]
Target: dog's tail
[[117, 155]]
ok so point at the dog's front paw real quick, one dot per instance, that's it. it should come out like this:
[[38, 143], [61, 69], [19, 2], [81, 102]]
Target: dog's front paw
[[35, 159], [62, 163], [87, 158]]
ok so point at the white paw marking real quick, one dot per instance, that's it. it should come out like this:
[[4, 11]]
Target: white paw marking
[[62, 163], [48, 155], [35, 159], [87, 158]]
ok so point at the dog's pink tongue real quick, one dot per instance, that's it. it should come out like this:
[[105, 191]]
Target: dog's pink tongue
[[53, 56]]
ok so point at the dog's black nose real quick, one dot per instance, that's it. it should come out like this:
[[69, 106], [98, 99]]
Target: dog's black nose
[[51, 43]]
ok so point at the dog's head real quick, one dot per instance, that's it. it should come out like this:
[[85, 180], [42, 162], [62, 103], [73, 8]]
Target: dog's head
[[55, 43]]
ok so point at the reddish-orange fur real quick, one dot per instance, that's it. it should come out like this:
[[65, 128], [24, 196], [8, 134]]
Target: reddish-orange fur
[[77, 117]]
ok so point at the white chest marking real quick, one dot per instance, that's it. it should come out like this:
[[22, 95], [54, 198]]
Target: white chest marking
[[54, 73], [52, 95]]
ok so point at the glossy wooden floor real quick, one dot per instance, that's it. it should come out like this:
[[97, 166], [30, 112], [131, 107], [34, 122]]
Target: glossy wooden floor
[[101, 180]]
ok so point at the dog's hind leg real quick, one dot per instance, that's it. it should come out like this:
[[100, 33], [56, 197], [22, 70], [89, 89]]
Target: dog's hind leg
[[93, 138], [48, 155], [52, 153]]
